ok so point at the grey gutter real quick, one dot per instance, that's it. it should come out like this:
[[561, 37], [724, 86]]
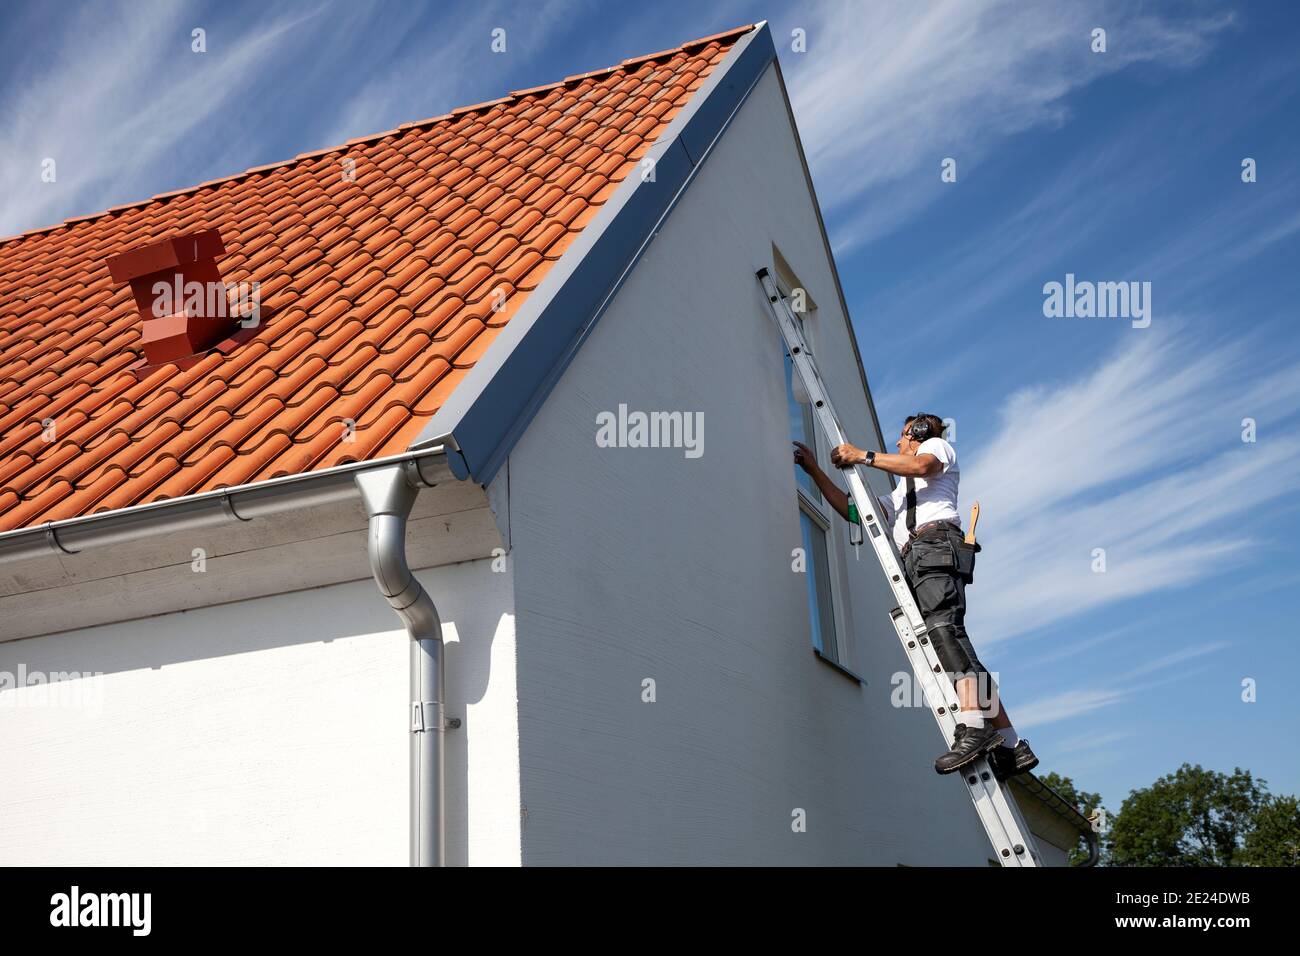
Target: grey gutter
[[222, 506], [497, 399]]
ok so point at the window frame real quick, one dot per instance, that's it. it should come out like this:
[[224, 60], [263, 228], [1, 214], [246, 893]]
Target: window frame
[[815, 505], [827, 615]]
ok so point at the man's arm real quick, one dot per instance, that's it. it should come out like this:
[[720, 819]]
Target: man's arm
[[803, 457], [905, 466]]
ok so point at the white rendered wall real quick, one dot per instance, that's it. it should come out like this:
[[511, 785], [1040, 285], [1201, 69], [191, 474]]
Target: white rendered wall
[[635, 564], [268, 731]]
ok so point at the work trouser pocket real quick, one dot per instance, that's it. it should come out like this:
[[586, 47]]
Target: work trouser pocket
[[938, 596], [935, 555]]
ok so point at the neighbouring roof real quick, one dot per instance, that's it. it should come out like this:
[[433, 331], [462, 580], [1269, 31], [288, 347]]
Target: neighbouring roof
[[376, 294], [1028, 784], [1053, 800]]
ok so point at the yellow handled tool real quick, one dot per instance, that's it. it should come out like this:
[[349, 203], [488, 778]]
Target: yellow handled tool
[[974, 520]]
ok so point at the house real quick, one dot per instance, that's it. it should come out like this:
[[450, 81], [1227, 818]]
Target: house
[[213, 649]]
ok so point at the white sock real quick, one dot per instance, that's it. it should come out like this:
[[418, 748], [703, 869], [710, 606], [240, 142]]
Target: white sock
[[1009, 736], [973, 719]]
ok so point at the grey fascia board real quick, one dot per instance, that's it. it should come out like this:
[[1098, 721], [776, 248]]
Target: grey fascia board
[[490, 409]]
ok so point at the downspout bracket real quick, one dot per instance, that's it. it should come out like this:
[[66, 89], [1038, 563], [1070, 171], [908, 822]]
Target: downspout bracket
[[424, 717], [52, 539]]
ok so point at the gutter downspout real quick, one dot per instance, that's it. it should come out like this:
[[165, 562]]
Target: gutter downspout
[[388, 494], [1093, 836], [1094, 850]]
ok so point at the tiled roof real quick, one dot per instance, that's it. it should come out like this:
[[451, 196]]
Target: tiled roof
[[377, 294]]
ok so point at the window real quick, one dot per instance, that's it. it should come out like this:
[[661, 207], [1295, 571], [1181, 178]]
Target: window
[[815, 524], [802, 428], [817, 571]]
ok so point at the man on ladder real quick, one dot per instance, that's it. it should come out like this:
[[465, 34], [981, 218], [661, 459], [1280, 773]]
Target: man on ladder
[[938, 564]]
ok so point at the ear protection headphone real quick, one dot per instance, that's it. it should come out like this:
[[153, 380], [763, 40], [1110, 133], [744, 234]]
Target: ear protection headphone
[[920, 429]]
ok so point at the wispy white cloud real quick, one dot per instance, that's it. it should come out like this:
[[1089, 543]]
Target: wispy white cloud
[[1177, 657], [1074, 648], [1266, 582], [1065, 705], [888, 90], [1079, 701], [121, 100], [126, 110], [1141, 457], [407, 83]]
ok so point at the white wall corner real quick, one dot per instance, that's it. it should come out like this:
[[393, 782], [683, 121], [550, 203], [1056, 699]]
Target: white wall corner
[[498, 496]]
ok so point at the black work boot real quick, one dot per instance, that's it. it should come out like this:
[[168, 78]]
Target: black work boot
[[1009, 761], [967, 745]]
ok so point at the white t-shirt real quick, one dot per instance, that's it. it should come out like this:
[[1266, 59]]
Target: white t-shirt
[[936, 498]]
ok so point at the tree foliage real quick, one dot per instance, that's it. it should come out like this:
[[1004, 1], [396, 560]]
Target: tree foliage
[[1275, 838], [1192, 817]]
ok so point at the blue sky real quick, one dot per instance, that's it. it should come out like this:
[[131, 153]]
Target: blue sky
[[1075, 434]]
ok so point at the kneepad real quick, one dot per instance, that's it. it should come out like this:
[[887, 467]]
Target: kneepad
[[953, 648]]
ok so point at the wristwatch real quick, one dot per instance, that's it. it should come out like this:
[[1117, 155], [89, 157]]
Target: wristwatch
[[871, 457]]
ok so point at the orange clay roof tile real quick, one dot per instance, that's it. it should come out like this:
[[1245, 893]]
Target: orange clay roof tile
[[385, 267]]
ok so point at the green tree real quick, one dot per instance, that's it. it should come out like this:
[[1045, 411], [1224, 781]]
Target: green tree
[[1275, 838], [1087, 803], [1192, 817]]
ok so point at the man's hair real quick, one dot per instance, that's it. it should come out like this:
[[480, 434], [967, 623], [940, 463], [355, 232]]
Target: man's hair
[[937, 427]]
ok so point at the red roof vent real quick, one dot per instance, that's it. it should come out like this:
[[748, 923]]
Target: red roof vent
[[180, 294]]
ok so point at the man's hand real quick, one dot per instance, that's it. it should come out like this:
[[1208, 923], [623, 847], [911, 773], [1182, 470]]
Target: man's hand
[[846, 456], [804, 458]]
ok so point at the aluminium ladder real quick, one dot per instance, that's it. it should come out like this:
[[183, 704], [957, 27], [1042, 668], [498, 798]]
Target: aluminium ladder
[[996, 807]]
